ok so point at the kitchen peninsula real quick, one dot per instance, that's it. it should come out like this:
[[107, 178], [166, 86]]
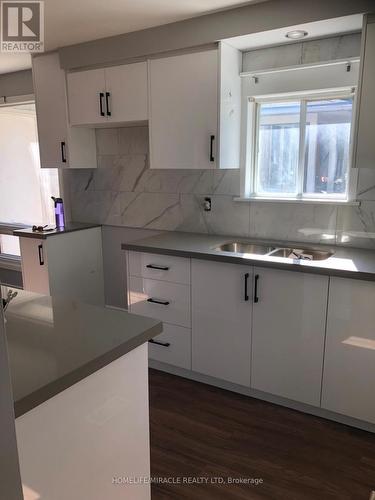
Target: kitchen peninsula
[[80, 386]]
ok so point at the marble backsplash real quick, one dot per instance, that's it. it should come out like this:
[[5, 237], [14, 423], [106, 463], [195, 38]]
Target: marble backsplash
[[123, 191], [305, 52]]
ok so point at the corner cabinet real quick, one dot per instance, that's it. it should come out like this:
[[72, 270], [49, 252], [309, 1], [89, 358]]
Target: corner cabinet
[[349, 365], [221, 320], [194, 102], [365, 144], [289, 315], [67, 264], [60, 146], [111, 95]]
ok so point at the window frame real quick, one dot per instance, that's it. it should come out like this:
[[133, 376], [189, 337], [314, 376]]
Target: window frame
[[252, 137]]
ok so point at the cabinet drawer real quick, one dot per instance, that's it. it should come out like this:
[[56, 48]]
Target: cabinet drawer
[[168, 302], [159, 267], [178, 352]]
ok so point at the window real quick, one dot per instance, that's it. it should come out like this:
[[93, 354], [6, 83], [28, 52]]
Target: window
[[302, 147], [25, 188]]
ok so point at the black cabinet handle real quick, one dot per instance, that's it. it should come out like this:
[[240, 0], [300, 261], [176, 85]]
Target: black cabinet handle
[[158, 301], [107, 96], [63, 152], [159, 268], [256, 279], [212, 138], [40, 254], [163, 344], [101, 97], [246, 283]]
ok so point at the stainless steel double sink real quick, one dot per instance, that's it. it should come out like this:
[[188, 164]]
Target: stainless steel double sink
[[298, 253]]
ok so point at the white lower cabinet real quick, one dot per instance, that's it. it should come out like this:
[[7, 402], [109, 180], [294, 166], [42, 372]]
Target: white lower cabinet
[[69, 264], [265, 329], [169, 302], [288, 334], [349, 365], [221, 320], [173, 346]]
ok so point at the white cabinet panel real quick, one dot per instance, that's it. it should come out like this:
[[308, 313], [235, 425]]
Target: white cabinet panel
[[288, 334], [169, 302], [183, 110], [84, 88], [174, 346], [159, 267], [349, 364], [230, 106], [60, 146], [365, 153], [50, 97], [127, 86], [221, 321]]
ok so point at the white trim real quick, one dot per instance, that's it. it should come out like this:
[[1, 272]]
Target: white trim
[[299, 67], [310, 95], [307, 201], [19, 99]]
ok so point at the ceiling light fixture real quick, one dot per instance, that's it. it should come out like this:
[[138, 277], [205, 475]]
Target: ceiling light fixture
[[296, 34]]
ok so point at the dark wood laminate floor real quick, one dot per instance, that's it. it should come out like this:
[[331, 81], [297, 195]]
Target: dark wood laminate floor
[[199, 430]]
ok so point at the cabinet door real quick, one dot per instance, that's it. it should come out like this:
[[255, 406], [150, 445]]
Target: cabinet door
[[127, 88], [183, 110], [84, 88], [365, 154], [349, 363], [288, 334], [221, 321], [50, 99], [34, 265]]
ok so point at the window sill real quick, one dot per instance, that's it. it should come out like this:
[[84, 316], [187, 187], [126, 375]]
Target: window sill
[[297, 201], [10, 262]]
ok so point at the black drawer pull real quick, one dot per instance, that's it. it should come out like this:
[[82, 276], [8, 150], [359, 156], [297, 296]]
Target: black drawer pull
[[163, 344], [246, 283], [63, 152], [159, 268], [107, 96], [40, 254], [101, 97], [158, 301], [256, 279], [212, 138]]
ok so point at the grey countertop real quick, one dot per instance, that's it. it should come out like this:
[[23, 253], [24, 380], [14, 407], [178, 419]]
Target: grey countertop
[[42, 235], [345, 262], [54, 343]]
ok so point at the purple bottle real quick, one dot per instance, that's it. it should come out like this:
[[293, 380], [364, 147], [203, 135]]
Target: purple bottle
[[59, 212]]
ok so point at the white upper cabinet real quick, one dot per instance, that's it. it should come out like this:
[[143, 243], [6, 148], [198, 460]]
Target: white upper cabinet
[[60, 146], [349, 364], [221, 320], [289, 315], [195, 110], [365, 148], [86, 97], [183, 111], [127, 88], [108, 95]]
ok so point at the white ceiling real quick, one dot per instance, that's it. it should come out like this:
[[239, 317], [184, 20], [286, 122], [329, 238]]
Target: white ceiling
[[73, 21], [317, 29]]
